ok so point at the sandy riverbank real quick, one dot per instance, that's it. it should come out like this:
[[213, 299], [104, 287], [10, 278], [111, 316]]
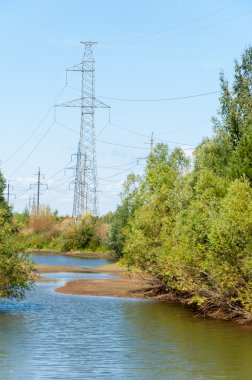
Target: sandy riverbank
[[131, 285], [126, 284]]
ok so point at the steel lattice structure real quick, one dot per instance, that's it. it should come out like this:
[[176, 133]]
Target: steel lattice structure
[[85, 180]]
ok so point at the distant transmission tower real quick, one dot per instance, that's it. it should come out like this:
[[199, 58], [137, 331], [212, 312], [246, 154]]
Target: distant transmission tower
[[85, 181]]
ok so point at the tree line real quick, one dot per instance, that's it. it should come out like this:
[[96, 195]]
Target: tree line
[[189, 223]]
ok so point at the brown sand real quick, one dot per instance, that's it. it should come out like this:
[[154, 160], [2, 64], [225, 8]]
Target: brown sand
[[127, 284]]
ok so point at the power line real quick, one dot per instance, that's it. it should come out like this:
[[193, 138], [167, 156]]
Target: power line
[[173, 27], [67, 128], [105, 126], [121, 145], [60, 170], [116, 166], [33, 132], [140, 134], [28, 138], [35, 147], [128, 130], [60, 184], [160, 99], [199, 29], [45, 91], [122, 172], [155, 99], [146, 42]]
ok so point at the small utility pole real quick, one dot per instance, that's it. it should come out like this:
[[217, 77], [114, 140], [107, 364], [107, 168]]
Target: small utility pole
[[38, 184], [38, 191], [151, 143], [151, 149], [32, 204], [29, 204], [9, 193]]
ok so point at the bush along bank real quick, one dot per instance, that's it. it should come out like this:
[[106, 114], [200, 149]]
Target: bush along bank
[[47, 231], [190, 223]]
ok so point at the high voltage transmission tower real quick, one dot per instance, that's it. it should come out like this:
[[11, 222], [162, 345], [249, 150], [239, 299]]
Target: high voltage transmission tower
[[85, 179]]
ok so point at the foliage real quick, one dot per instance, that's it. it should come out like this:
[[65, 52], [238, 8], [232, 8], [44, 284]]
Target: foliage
[[78, 235], [48, 231], [130, 202], [193, 229], [15, 268]]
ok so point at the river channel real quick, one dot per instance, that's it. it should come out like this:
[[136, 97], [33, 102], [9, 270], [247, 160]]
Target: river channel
[[53, 336]]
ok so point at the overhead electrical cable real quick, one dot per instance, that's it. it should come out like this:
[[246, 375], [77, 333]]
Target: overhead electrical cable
[[219, 10], [156, 139], [153, 99], [67, 128], [121, 145], [122, 172], [46, 89], [117, 166], [28, 138], [60, 184], [147, 42], [23, 192], [35, 129], [33, 150], [201, 28], [160, 99], [128, 130], [105, 126], [59, 171], [197, 29]]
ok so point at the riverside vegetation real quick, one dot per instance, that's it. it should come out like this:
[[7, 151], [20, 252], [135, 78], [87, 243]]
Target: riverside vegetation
[[186, 222], [15, 268], [190, 225], [47, 230]]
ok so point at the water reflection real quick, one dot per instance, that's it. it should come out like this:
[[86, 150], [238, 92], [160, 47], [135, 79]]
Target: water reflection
[[67, 276], [187, 347], [69, 260]]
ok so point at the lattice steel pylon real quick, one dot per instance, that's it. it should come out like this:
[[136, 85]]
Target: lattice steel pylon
[[85, 179]]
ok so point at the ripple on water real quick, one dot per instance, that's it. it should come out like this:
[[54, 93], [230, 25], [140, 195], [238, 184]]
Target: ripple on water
[[51, 336]]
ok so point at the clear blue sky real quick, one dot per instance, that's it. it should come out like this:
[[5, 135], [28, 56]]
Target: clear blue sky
[[146, 50]]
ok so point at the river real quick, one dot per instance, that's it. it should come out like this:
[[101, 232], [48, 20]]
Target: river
[[54, 336]]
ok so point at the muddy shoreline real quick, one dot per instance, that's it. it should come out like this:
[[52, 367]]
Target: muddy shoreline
[[126, 284], [130, 285]]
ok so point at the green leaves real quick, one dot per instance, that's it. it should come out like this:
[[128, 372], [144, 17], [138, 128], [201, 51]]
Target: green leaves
[[231, 232], [15, 275], [15, 268], [193, 229]]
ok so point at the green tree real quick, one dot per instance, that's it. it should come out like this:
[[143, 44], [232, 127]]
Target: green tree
[[233, 127], [15, 268], [193, 229], [131, 200], [149, 234]]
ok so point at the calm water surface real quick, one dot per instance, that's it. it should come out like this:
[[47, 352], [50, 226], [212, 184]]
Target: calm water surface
[[69, 260], [53, 336]]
